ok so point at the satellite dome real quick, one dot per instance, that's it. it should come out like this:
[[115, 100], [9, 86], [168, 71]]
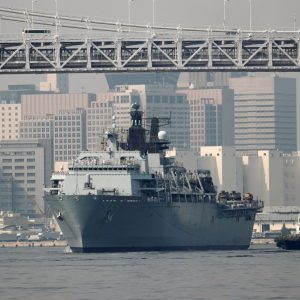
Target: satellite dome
[[135, 106], [162, 135]]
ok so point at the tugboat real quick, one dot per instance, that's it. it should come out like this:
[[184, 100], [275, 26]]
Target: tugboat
[[291, 241], [131, 197]]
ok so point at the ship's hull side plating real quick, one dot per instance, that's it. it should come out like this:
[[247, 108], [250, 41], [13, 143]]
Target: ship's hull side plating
[[105, 224]]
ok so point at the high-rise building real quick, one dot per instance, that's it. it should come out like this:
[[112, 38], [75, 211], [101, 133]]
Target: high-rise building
[[42, 105], [64, 132], [69, 134], [23, 164], [57, 83], [35, 127], [14, 92], [211, 117], [6, 192], [10, 109], [9, 121], [265, 113], [141, 78], [99, 119]]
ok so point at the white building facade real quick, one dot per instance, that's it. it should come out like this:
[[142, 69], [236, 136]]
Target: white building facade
[[271, 176]]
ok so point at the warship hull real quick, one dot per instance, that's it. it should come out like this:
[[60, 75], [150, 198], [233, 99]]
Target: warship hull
[[97, 223]]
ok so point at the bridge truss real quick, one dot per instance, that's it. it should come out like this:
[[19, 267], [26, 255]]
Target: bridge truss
[[135, 48]]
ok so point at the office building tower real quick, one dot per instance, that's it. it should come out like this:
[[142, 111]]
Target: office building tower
[[35, 127], [265, 113], [99, 119], [141, 78], [69, 134], [57, 83], [44, 104], [23, 163], [10, 110], [211, 117], [6, 192], [9, 121]]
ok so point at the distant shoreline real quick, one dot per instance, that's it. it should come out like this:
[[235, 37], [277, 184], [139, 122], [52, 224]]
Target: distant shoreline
[[33, 244], [65, 243]]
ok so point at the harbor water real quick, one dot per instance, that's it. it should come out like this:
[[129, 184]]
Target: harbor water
[[262, 272]]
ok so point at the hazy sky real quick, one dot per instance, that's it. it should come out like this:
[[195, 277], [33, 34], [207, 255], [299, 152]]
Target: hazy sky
[[279, 14]]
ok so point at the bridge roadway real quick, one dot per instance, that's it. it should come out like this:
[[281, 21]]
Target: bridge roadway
[[159, 50]]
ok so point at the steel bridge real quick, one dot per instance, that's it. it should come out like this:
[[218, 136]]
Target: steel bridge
[[138, 48]]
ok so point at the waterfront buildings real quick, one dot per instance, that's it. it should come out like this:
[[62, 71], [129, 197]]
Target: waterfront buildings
[[42, 105], [270, 175], [24, 167], [211, 117], [66, 132], [9, 120], [69, 134], [265, 113], [99, 118], [10, 110]]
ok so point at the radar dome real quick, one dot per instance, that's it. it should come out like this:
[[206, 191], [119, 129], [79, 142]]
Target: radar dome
[[162, 135], [135, 106]]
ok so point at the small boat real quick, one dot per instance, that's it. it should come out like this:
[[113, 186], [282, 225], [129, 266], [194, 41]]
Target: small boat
[[289, 242]]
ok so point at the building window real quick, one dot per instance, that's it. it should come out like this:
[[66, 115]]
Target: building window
[[19, 174], [18, 160], [19, 167]]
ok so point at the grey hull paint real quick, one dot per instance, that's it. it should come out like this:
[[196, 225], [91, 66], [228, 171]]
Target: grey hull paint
[[103, 223]]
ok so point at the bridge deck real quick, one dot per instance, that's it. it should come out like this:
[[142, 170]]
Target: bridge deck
[[134, 48]]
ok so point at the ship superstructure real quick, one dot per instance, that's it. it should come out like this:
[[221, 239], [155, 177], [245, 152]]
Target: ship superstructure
[[130, 197]]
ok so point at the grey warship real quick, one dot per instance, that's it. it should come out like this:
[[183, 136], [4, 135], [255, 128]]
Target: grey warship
[[131, 197]]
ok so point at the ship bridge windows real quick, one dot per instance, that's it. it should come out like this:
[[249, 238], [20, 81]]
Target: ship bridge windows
[[191, 198]]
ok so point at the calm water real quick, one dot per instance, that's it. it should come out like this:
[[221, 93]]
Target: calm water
[[49, 273]]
